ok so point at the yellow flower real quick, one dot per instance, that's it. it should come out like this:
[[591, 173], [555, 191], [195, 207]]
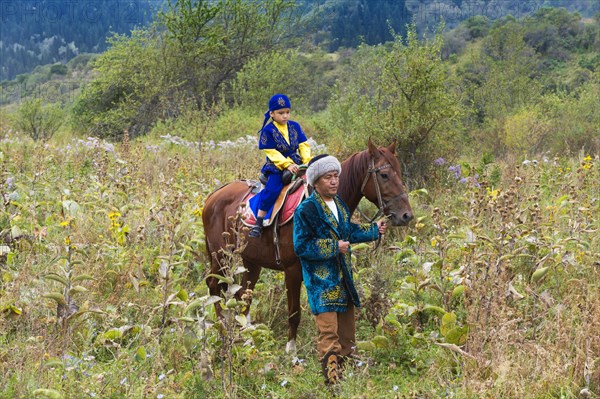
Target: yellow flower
[[434, 242], [68, 240], [114, 215], [65, 223], [587, 158]]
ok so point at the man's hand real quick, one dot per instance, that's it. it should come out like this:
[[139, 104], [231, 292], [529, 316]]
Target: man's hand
[[343, 246], [293, 168], [382, 226]]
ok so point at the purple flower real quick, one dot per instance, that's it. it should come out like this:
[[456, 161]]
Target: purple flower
[[456, 170], [464, 180], [440, 161]]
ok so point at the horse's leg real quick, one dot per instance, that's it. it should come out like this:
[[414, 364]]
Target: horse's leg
[[249, 279], [293, 283]]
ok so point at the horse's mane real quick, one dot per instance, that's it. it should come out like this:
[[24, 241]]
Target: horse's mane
[[352, 171]]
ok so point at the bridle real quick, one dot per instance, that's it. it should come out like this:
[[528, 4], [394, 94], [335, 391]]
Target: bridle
[[373, 171]]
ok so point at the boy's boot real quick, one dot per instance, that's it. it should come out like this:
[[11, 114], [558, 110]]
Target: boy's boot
[[256, 230]]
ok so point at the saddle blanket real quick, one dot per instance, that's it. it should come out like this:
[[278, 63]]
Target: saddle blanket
[[285, 205]]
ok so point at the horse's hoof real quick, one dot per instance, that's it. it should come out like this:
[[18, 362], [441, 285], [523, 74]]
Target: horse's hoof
[[290, 347]]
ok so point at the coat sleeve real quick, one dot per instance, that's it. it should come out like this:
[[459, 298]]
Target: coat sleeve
[[310, 240], [363, 232]]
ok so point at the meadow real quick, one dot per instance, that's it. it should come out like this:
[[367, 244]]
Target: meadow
[[492, 291]]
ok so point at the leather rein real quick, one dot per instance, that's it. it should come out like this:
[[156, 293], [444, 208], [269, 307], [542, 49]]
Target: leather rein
[[372, 171]]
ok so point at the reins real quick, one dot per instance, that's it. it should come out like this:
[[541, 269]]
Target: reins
[[373, 171]]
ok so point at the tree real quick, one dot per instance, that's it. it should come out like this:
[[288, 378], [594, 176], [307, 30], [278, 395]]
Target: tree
[[39, 121], [191, 55], [403, 93]]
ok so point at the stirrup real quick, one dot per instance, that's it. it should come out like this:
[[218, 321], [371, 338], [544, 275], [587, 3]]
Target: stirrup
[[255, 231], [330, 368]]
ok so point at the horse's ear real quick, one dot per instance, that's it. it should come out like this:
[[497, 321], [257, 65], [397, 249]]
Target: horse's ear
[[392, 147], [373, 151]]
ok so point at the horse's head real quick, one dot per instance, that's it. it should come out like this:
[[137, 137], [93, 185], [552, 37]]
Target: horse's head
[[383, 184]]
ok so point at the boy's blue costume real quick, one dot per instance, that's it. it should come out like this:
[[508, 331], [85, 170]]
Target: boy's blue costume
[[272, 139], [327, 273]]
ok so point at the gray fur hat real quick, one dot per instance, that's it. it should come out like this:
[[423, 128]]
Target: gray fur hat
[[320, 165]]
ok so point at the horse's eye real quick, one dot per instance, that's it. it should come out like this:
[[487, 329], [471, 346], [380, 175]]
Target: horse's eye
[[384, 176]]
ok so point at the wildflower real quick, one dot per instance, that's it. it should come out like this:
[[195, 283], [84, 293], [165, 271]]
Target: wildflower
[[464, 180], [114, 215], [526, 162], [284, 383], [161, 377], [395, 387], [440, 161], [123, 381], [456, 170], [160, 396]]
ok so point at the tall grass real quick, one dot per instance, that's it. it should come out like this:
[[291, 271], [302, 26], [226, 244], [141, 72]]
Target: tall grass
[[492, 292]]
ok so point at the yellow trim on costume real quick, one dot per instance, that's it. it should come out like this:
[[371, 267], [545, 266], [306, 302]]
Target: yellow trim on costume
[[283, 129], [277, 158], [304, 151]]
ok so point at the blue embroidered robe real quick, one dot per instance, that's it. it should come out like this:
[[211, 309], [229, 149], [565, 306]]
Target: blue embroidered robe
[[327, 273], [272, 139]]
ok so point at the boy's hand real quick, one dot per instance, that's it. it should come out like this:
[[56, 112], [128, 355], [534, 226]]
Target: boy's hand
[[293, 168]]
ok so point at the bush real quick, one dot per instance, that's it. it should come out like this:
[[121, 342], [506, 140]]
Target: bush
[[39, 121]]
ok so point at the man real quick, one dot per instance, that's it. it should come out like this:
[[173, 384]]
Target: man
[[322, 236]]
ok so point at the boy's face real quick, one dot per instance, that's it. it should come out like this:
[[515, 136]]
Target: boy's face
[[281, 116]]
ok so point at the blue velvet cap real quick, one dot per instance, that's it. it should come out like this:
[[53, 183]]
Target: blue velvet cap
[[278, 101]]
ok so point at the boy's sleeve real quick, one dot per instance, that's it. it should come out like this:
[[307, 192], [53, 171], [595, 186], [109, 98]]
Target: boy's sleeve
[[304, 150], [277, 158]]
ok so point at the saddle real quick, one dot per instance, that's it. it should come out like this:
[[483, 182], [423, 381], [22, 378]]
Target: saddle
[[290, 197]]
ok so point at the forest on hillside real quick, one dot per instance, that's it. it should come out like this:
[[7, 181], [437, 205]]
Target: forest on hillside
[[40, 32]]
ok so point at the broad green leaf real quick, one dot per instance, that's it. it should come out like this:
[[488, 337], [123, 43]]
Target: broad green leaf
[[365, 346], [58, 297], [448, 318], [539, 274], [380, 341], [82, 277], [113, 334], [57, 278], [77, 289], [183, 295], [457, 335], [458, 291], [242, 320], [227, 280], [140, 354], [434, 308]]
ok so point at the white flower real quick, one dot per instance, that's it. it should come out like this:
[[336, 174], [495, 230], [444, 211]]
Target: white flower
[[161, 377]]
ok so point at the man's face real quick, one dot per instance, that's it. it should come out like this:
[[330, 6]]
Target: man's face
[[328, 184]]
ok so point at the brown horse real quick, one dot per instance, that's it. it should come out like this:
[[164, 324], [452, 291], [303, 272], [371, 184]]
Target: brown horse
[[373, 173]]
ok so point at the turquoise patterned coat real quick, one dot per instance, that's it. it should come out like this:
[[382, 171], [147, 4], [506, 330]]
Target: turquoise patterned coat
[[327, 272]]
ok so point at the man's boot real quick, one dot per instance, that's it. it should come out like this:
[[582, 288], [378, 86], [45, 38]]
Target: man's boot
[[330, 367]]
